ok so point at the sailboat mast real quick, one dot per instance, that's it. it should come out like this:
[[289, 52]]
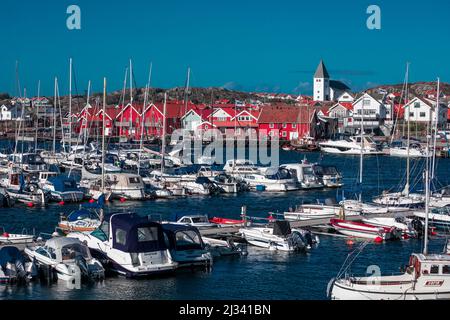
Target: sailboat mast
[[361, 155], [427, 202], [186, 92], [147, 88], [163, 147], [70, 102], [54, 118], [103, 135], [408, 163], [37, 116], [436, 119]]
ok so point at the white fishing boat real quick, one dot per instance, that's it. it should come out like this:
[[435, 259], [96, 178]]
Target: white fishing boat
[[64, 254], [351, 146], [130, 245], [280, 237], [304, 174]]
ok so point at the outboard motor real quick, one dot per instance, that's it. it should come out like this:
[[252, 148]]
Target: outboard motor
[[417, 225], [297, 241], [20, 269], [10, 270], [82, 264], [31, 269]]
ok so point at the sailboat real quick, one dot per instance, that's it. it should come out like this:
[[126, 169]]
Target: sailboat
[[426, 276], [404, 198]]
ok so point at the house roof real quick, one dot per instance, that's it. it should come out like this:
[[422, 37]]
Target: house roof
[[338, 85], [285, 114], [321, 71]]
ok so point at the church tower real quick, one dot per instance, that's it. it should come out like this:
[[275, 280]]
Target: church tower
[[321, 83]]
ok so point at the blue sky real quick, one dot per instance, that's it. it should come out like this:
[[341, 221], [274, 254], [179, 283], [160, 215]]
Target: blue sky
[[240, 44]]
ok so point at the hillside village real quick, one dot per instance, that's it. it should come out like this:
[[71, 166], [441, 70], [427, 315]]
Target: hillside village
[[331, 109]]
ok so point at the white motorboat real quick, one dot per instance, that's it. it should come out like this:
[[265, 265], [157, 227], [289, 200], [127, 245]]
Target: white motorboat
[[61, 188], [64, 254], [280, 237], [230, 184], [223, 248], [198, 221], [440, 199], [118, 185], [438, 217], [351, 146], [409, 227], [130, 245], [15, 238], [28, 162], [240, 167], [13, 266], [304, 174], [272, 179], [186, 245], [24, 191], [329, 176], [313, 211], [403, 152]]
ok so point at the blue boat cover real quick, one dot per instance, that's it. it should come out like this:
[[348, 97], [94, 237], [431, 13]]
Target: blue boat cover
[[136, 234]]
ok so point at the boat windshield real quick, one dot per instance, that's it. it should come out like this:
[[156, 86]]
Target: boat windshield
[[188, 240], [330, 170], [199, 220], [71, 251], [308, 171]]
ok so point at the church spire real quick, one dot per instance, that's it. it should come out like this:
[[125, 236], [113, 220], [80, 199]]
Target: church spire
[[321, 71]]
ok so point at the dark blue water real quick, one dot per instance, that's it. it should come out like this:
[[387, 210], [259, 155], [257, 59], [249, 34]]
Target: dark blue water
[[261, 274]]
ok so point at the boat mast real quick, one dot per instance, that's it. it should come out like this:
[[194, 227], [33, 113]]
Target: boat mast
[[147, 88], [427, 199], [70, 103], [163, 147], [361, 155], [37, 116], [436, 119], [54, 119], [186, 92], [408, 164], [131, 97], [103, 135]]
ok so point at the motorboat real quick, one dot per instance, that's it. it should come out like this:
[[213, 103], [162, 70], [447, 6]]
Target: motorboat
[[415, 150], [223, 248], [65, 255], [118, 185], [81, 220], [351, 146], [226, 222], [438, 217], [15, 238], [14, 268], [366, 231], [230, 184], [272, 179], [201, 186], [130, 245], [440, 199], [426, 277], [186, 245], [28, 162], [313, 211], [198, 221], [329, 176], [409, 227], [280, 237], [24, 191], [304, 174], [61, 188], [240, 167]]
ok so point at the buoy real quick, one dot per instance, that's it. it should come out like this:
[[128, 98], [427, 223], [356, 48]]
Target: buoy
[[123, 200], [30, 204], [350, 242], [405, 237], [378, 240], [61, 203], [91, 201], [5, 234]]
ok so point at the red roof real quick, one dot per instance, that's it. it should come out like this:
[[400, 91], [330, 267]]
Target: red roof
[[285, 114]]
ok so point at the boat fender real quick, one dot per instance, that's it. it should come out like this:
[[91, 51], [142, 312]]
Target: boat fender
[[378, 240], [5, 234], [30, 204]]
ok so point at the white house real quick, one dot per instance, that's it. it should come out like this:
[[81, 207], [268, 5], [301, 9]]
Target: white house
[[346, 97], [342, 112], [424, 110], [5, 114], [371, 110], [191, 120]]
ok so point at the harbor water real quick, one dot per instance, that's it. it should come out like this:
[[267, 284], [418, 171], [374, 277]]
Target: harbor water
[[259, 275]]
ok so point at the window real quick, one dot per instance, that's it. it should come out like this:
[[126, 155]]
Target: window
[[411, 114], [121, 236], [294, 126], [434, 269], [134, 180], [417, 105], [147, 234], [422, 115], [271, 125], [366, 102], [446, 269], [284, 125], [284, 134]]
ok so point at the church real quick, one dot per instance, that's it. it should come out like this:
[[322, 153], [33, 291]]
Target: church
[[326, 89]]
